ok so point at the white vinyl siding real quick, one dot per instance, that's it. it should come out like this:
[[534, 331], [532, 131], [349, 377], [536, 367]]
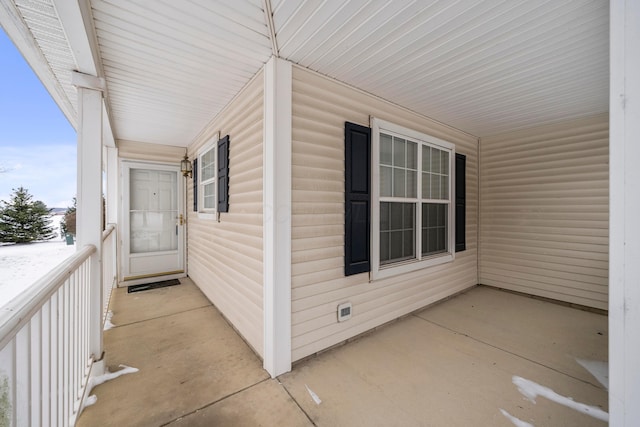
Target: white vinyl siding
[[544, 211], [320, 108], [143, 151], [225, 258]]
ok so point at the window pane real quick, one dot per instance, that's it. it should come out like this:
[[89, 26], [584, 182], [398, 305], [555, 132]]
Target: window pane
[[385, 149], [444, 187], [412, 155], [395, 246], [408, 245], [434, 228], [435, 186], [207, 165], [408, 215], [209, 193], [384, 247], [384, 216], [395, 220], [152, 231], [426, 158], [412, 184], [426, 185], [399, 187], [435, 161], [386, 180], [398, 243], [399, 146], [444, 162]]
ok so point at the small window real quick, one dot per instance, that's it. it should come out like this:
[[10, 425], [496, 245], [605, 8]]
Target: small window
[[412, 201], [207, 170]]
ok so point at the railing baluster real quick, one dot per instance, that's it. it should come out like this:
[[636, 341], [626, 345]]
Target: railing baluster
[[45, 356], [35, 352], [23, 383], [60, 352], [65, 345]]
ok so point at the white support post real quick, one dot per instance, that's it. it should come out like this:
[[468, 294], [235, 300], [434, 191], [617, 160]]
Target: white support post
[[624, 208], [277, 216], [112, 185], [89, 208]]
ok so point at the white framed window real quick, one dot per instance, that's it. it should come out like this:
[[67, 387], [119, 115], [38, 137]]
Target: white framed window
[[412, 218], [207, 179]]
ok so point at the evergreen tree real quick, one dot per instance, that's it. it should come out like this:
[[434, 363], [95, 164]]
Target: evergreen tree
[[23, 220], [68, 223]]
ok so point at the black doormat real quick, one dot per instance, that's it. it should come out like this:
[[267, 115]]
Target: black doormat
[[154, 285]]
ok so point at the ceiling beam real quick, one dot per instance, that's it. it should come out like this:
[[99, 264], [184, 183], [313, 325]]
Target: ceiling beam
[[77, 21], [268, 15]]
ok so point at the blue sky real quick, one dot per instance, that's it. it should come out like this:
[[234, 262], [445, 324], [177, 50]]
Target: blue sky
[[37, 143]]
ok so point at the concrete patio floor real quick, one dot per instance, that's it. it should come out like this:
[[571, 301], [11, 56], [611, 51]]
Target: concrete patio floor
[[451, 364]]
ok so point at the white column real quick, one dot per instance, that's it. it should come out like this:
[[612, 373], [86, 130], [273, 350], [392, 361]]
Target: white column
[[112, 185], [624, 214], [277, 216], [89, 208]]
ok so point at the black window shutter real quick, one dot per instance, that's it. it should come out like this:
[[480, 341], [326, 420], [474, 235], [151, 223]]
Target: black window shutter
[[194, 171], [461, 201], [357, 198], [223, 174]]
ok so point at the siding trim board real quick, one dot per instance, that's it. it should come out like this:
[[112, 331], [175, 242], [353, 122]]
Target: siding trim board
[[277, 208]]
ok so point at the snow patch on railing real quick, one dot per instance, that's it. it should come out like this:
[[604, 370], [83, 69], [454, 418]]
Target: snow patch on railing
[[531, 390]]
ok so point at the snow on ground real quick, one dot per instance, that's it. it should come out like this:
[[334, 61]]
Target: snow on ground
[[22, 265]]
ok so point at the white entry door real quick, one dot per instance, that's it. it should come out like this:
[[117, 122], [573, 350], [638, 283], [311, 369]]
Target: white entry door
[[153, 226]]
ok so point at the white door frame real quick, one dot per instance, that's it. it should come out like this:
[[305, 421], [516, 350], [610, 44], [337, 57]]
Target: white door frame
[[123, 223]]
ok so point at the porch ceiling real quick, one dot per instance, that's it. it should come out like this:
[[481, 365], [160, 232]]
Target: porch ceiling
[[484, 67]]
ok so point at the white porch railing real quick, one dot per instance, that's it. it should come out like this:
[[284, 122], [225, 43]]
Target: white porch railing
[[45, 358], [109, 266]]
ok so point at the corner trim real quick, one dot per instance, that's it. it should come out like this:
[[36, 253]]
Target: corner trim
[[277, 216]]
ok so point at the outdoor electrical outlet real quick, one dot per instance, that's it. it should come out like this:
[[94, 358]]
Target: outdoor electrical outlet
[[344, 311]]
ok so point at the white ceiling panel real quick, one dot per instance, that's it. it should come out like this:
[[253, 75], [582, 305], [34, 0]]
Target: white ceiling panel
[[172, 66], [483, 66]]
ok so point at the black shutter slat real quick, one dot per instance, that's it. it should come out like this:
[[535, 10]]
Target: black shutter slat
[[194, 171], [461, 202], [357, 199], [223, 174]]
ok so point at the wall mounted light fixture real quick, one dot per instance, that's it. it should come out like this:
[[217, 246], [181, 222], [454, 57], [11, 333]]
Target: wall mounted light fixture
[[185, 166]]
